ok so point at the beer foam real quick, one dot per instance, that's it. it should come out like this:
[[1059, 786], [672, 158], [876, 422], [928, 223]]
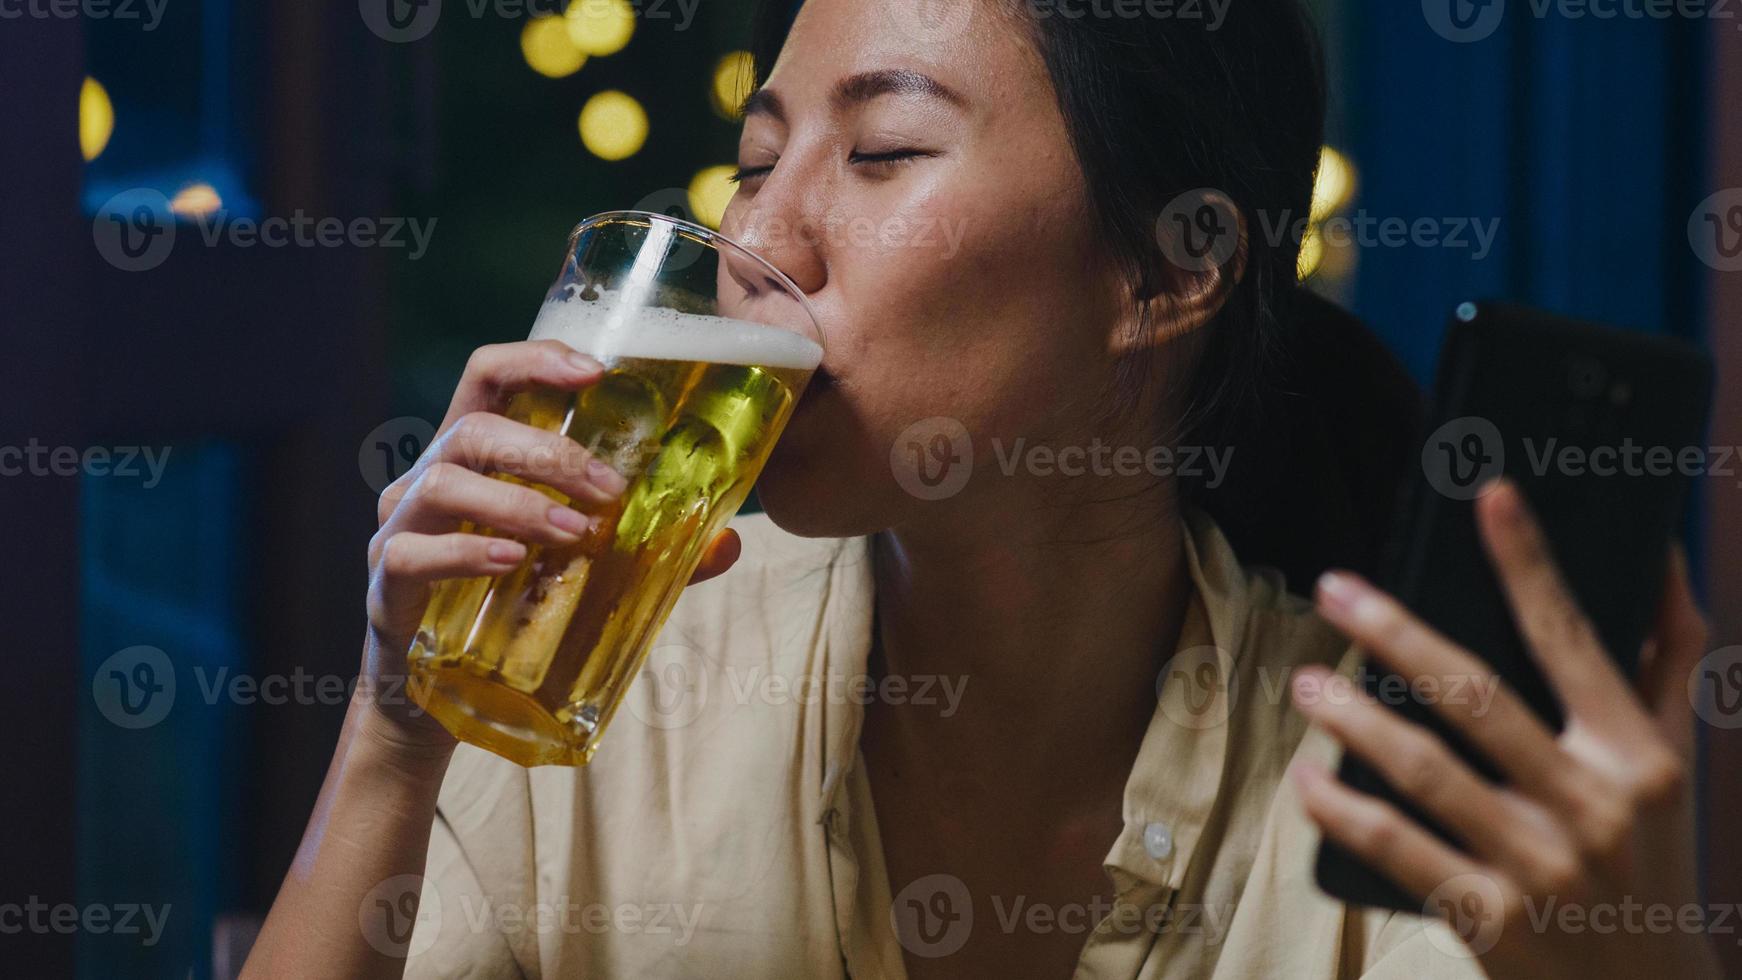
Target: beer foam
[[608, 330]]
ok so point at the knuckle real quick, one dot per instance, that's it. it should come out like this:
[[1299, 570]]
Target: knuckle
[[436, 485], [1661, 781], [1417, 771], [1558, 872], [395, 555], [1605, 828]]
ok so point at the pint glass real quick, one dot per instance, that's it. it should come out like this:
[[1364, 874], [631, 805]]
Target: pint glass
[[706, 349]]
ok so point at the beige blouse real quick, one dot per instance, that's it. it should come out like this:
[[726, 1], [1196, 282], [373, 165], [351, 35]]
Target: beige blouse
[[725, 829]]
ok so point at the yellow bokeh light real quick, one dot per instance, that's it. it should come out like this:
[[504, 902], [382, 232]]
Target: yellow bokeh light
[[1312, 252], [1335, 184], [195, 200], [733, 76], [548, 48], [600, 27], [710, 190], [613, 125], [96, 119]]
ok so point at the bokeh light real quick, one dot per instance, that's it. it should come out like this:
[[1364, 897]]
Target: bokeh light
[[548, 48], [734, 74], [196, 200], [96, 119], [1335, 184], [1312, 253], [710, 190], [613, 125], [600, 27]]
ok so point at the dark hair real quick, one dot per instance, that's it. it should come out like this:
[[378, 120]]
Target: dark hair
[[1320, 415]]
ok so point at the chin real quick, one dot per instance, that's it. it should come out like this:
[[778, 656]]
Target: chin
[[814, 498]]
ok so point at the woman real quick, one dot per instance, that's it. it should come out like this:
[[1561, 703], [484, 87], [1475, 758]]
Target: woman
[[1073, 797]]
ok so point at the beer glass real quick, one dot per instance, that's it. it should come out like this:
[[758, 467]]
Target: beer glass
[[706, 349]]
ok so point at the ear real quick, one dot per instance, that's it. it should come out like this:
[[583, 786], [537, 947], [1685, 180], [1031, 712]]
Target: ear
[[1203, 244]]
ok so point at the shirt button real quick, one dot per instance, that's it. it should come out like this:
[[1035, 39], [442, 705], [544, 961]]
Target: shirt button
[[1158, 840]]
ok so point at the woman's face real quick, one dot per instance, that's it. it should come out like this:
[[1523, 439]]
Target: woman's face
[[918, 184]]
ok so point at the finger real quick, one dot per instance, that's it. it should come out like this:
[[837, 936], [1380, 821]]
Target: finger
[[1376, 833], [1677, 643], [1494, 824], [497, 371], [493, 444], [721, 554], [409, 559], [447, 495], [1485, 712]]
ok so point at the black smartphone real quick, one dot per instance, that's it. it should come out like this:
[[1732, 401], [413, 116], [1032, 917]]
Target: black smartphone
[[1601, 429]]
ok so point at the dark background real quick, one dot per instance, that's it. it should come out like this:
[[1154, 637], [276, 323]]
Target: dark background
[[267, 372]]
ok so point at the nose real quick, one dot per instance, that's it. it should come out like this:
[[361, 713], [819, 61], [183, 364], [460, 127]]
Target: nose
[[776, 226]]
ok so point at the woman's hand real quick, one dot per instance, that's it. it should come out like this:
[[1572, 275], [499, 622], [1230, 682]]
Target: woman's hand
[[1582, 865], [420, 541]]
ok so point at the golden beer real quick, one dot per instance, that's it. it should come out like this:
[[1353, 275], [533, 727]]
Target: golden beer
[[533, 664]]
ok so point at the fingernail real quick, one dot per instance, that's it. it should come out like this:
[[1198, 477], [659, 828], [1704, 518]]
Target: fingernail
[[568, 519], [1347, 598], [584, 364], [604, 477], [506, 552], [1338, 591]]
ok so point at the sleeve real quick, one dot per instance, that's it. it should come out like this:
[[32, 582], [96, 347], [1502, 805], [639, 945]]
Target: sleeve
[[456, 934]]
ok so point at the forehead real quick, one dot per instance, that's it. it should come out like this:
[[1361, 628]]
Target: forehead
[[972, 46]]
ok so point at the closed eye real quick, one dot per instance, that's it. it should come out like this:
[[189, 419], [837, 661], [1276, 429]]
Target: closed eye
[[742, 174], [889, 156]]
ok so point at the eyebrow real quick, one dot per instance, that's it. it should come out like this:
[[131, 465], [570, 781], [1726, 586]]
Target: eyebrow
[[858, 89]]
